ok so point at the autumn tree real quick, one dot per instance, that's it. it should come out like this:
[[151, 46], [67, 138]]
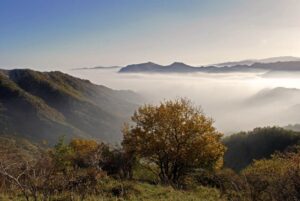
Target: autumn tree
[[86, 153], [174, 136]]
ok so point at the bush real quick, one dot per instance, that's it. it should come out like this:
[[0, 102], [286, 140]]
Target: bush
[[275, 179]]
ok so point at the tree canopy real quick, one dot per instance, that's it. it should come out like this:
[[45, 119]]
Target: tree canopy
[[244, 147], [174, 136]]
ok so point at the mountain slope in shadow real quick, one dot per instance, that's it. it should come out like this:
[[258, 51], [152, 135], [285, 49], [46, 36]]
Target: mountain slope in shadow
[[46, 105]]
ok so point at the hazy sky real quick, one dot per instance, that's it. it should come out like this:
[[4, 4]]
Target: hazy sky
[[62, 34]]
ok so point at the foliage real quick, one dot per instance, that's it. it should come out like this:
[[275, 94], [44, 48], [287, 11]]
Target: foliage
[[174, 143], [244, 147], [86, 153], [117, 163], [61, 155], [176, 137], [56, 175], [51, 173], [231, 185], [275, 179]]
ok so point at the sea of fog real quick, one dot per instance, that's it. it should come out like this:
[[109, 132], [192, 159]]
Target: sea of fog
[[227, 98]]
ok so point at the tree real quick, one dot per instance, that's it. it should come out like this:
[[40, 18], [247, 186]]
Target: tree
[[117, 163], [86, 153], [174, 136], [62, 155]]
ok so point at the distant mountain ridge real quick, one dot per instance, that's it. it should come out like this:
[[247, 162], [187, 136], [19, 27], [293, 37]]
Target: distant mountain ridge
[[252, 61], [284, 103], [153, 67], [266, 65], [278, 94], [46, 105]]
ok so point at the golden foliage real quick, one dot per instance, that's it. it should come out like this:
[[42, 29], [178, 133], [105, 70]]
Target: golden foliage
[[176, 136], [86, 152]]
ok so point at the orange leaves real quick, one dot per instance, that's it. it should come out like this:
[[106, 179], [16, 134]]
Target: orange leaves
[[175, 134], [82, 146]]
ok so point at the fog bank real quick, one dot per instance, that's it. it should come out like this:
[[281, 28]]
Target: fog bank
[[234, 100]]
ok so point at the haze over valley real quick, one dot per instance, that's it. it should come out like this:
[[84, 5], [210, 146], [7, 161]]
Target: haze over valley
[[235, 100], [97, 101]]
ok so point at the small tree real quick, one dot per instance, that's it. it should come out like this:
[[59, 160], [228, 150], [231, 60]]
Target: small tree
[[31, 177], [117, 163], [86, 153], [176, 137], [62, 155]]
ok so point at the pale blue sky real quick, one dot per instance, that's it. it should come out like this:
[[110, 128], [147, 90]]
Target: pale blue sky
[[63, 34]]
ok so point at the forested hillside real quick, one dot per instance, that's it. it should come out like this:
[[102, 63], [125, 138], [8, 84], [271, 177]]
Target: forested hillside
[[244, 147], [46, 105]]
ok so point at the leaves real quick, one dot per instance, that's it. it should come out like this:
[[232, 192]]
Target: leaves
[[176, 136]]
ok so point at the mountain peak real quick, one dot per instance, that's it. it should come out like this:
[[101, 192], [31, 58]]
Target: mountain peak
[[150, 63], [178, 63]]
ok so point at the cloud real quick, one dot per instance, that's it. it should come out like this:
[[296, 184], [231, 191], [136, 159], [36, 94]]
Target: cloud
[[224, 97]]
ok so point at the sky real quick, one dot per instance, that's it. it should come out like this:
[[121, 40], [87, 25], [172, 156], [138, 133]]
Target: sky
[[64, 34]]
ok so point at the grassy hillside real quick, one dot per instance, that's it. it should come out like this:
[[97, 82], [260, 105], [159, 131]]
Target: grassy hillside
[[16, 149], [136, 191], [72, 165], [46, 105]]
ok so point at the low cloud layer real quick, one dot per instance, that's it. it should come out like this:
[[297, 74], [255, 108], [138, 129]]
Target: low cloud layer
[[236, 101]]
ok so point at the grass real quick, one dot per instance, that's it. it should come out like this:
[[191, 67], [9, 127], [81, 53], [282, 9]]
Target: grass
[[149, 192], [137, 191]]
